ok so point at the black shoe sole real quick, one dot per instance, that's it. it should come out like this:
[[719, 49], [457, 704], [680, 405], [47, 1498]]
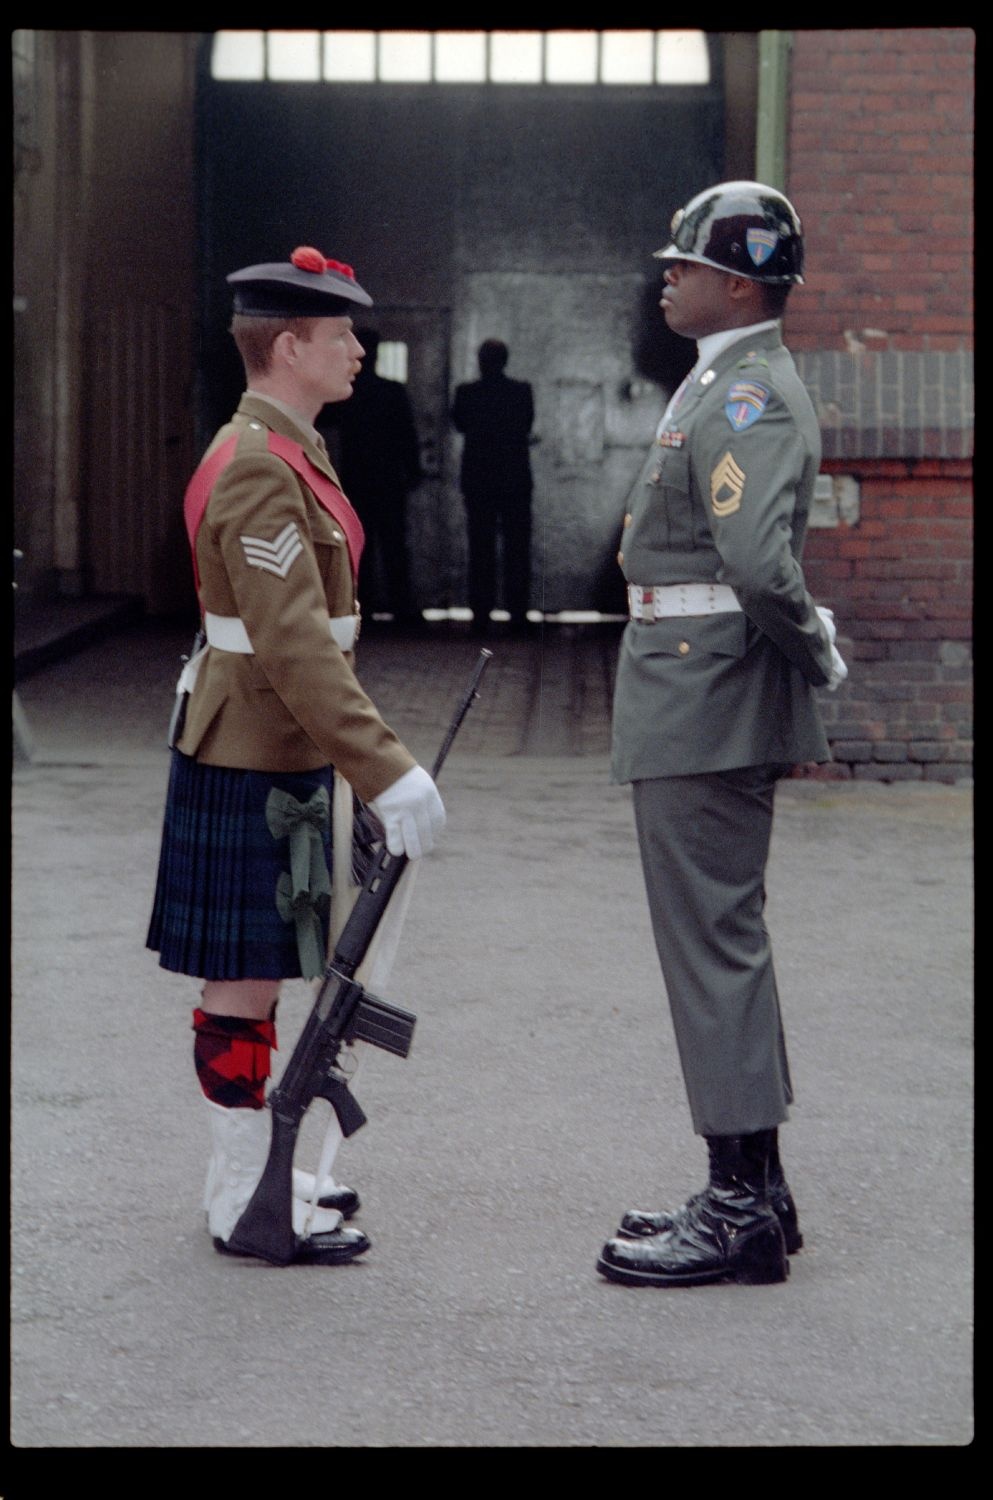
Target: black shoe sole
[[742, 1277], [329, 1257], [334, 1255]]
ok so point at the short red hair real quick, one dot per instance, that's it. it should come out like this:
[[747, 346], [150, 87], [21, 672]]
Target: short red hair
[[256, 336]]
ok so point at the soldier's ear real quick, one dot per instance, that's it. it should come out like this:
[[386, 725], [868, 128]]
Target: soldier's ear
[[742, 289], [284, 347]]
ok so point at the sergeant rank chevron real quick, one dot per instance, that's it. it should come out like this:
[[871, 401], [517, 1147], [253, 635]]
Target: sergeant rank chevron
[[275, 557]]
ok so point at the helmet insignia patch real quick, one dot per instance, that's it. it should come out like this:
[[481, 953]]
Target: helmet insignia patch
[[727, 485], [746, 401], [761, 243]]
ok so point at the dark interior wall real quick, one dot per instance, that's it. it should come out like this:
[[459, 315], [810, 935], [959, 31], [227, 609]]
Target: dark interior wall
[[138, 185], [104, 272], [532, 211], [417, 187]]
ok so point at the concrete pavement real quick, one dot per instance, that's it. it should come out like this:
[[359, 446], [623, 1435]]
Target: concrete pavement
[[542, 1097]]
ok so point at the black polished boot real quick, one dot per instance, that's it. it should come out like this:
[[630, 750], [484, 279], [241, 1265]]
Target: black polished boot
[[638, 1222], [728, 1232]]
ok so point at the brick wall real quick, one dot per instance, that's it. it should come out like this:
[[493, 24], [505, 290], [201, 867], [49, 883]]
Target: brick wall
[[881, 171], [900, 584]]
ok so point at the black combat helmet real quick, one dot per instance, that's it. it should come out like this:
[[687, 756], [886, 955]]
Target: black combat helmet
[[743, 227]]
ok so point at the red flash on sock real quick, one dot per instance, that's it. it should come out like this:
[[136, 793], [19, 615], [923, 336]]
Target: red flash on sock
[[232, 1058]]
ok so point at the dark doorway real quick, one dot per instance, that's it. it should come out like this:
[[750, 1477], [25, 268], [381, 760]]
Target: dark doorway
[[527, 214]]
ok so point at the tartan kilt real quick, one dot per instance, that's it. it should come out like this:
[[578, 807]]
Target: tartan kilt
[[214, 914]]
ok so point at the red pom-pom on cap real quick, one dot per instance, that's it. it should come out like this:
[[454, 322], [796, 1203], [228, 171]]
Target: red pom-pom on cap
[[306, 258]]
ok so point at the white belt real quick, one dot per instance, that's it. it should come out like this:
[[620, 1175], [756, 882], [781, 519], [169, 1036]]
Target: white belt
[[228, 633], [663, 600]]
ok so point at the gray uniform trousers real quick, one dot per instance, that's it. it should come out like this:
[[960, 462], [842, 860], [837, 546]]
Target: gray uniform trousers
[[704, 842], [710, 709]]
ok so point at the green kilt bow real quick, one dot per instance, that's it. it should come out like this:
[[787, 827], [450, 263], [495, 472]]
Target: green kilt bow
[[303, 894]]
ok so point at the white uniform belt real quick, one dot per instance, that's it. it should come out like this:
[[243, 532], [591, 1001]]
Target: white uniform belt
[[228, 633], [662, 600]]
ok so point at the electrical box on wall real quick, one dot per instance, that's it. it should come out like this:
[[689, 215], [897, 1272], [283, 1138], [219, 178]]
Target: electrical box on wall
[[837, 501]]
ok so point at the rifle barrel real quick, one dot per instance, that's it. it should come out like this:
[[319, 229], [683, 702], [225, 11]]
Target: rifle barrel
[[471, 694]]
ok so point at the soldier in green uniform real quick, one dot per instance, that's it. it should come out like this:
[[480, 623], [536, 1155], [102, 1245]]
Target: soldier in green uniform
[[715, 702]]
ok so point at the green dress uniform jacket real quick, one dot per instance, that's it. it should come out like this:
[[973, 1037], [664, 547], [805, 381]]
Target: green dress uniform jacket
[[295, 704], [724, 497]]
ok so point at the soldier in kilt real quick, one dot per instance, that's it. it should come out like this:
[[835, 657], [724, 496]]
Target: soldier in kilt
[[275, 727]]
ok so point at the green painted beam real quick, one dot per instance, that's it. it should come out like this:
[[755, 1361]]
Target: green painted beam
[[773, 108]]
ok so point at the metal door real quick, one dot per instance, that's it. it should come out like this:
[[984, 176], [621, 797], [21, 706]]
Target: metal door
[[573, 336]]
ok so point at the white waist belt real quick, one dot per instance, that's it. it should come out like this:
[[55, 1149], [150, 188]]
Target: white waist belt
[[228, 633], [663, 600]]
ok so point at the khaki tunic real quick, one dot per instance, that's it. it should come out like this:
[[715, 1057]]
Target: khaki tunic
[[295, 704]]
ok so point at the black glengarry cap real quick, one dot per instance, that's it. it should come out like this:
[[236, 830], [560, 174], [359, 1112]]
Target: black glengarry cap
[[308, 285]]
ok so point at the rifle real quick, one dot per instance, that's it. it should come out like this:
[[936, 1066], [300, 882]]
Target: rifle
[[184, 688], [343, 1012]]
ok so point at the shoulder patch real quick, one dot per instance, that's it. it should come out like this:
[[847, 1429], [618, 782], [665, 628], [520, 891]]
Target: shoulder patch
[[745, 402]]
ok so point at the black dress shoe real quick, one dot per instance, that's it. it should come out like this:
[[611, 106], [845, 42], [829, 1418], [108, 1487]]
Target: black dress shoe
[[637, 1222], [344, 1199], [336, 1248]]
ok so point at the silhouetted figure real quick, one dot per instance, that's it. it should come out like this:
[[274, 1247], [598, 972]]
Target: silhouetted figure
[[495, 415], [380, 463]]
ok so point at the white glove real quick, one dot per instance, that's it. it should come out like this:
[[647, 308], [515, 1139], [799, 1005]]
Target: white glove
[[412, 814], [838, 669]]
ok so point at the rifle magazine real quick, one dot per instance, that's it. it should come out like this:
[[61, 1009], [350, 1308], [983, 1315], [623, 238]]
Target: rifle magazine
[[383, 1025]]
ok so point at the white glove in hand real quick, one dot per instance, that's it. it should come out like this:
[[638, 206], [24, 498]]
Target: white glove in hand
[[838, 669], [412, 814]]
